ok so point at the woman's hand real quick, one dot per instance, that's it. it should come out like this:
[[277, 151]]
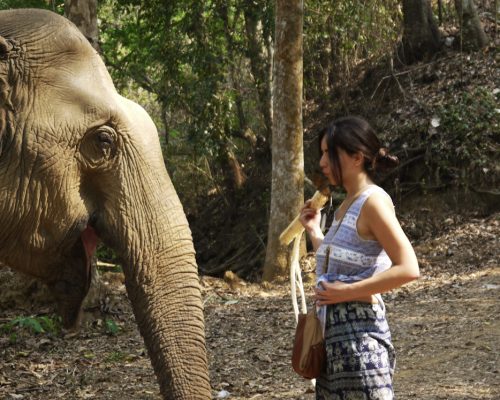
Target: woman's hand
[[339, 292], [310, 218], [332, 293]]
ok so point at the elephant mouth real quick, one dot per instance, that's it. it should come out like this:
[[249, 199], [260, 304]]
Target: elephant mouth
[[90, 241], [72, 281]]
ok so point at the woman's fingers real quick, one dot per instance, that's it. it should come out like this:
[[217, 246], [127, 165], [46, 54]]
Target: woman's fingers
[[326, 294], [309, 213], [320, 293], [309, 217], [336, 292]]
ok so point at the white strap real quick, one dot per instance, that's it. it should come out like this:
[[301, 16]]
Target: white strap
[[296, 279]]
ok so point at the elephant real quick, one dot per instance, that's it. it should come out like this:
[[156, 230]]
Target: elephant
[[78, 164]]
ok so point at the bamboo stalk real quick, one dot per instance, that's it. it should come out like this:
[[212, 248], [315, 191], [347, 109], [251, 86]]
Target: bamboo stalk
[[295, 228]]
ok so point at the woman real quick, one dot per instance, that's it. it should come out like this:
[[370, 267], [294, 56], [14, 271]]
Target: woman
[[364, 253]]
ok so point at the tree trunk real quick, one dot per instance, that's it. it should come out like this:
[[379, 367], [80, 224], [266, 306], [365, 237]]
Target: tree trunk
[[335, 72], [235, 79], [472, 32], [421, 38], [83, 13], [258, 63], [287, 184]]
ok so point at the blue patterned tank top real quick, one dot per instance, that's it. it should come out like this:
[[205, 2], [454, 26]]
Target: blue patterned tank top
[[351, 258]]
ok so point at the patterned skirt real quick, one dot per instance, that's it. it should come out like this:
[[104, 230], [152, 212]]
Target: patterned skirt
[[360, 356]]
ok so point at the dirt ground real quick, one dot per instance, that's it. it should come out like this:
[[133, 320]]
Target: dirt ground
[[445, 327]]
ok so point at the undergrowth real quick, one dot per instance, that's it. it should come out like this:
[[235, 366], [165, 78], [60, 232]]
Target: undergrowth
[[456, 145], [33, 325], [467, 139]]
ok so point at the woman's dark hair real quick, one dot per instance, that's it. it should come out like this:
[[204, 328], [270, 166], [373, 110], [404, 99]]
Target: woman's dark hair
[[353, 134]]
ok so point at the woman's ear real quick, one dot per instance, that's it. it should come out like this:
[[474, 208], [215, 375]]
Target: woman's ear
[[358, 158]]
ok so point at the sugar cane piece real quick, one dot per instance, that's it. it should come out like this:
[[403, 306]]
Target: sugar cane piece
[[295, 228]]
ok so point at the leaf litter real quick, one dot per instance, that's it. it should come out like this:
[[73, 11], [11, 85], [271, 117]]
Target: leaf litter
[[445, 330]]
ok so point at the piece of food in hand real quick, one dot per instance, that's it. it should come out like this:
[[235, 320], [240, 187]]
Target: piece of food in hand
[[295, 228]]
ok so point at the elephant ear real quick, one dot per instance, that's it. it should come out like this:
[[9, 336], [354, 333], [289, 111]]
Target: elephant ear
[[5, 50]]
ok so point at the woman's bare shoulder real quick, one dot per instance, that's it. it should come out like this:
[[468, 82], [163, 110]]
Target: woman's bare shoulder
[[378, 202]]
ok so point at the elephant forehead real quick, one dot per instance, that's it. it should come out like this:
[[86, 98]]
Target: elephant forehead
[[74, 93], [73, 99], [78, 82], [73, 104], [44, 35], [78, 104]]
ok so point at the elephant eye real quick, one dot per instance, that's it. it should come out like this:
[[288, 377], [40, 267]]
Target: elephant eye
[[106, 143], [99, 145]]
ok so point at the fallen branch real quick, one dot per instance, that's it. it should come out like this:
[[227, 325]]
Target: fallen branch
[[234, 259]]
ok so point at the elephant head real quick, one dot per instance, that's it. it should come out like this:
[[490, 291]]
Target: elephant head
[[79, 163]]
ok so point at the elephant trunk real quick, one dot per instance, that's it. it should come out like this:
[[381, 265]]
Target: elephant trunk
[[162, 283]]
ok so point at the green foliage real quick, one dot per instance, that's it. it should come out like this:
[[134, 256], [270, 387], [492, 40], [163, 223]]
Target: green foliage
[[193, 59], [467, 139], [32, 324], [459, 143], [13, 338], [207, 65], [340, 34], [106, 254], [110, 327], [53, 5], [118, 357], [180, 62]]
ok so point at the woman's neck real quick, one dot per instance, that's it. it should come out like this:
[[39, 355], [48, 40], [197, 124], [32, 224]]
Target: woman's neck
[[355, 187]]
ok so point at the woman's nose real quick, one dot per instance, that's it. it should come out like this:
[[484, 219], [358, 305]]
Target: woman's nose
[[323, 161]]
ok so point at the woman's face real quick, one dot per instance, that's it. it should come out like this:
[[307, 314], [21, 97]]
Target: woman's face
[[346, 161], [325, 163]]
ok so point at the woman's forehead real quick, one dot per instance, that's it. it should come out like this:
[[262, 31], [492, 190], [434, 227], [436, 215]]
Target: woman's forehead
[[324, 145], [324, 142]]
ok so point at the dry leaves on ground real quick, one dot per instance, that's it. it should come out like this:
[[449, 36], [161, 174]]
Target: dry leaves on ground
[[445, 329]]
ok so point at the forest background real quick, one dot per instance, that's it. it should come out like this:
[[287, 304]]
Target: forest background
[[204, 72]]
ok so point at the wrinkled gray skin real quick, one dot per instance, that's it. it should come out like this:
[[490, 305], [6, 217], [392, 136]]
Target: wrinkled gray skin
[[77, 162]]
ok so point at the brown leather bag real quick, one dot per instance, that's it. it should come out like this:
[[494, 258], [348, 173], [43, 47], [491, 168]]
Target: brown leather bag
[[309, 354]]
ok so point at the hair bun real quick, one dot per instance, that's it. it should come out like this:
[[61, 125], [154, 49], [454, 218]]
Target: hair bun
[[382, 152], [384, 160]]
